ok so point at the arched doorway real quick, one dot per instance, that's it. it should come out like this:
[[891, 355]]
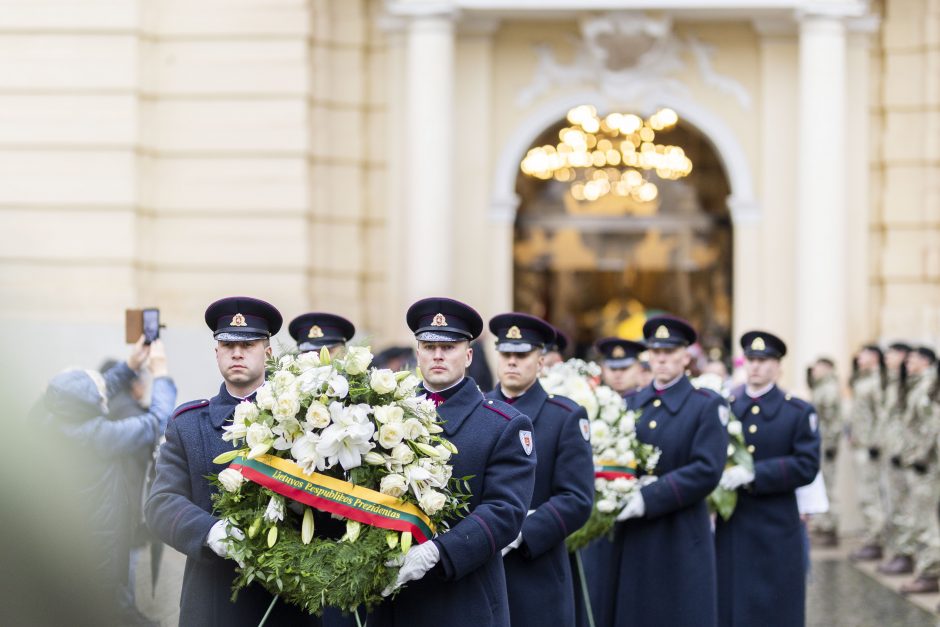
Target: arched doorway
[[597, 268]]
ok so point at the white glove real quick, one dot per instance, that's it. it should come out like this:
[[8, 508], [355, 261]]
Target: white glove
[[418, 561], [646, 480], [635, 508], [219, 535], [513, 545], [735, 477]]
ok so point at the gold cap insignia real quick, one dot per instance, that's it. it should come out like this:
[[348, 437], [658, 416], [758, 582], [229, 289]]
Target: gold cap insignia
[[439, 321], [513, 333], [662, 332], [618, 352], [315, 332], [238, 320], [758, 344]]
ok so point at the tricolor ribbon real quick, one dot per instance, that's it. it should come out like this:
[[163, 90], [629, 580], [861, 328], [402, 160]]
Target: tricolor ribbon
[[335, 496], [610, 470]]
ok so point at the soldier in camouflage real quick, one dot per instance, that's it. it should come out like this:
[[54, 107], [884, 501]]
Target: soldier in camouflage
[[824, 386], [868, 384]]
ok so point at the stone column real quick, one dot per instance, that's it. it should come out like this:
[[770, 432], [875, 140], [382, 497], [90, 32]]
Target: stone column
[[821, 198], [429, 129]]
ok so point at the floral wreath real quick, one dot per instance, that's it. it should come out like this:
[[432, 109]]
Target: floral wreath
[[357, 446]]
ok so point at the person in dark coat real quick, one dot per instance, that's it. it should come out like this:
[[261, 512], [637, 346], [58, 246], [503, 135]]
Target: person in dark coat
[[761, 576], [75, 409], [537, 560], [179, 508], [620, 366], [312, 331], [661, 571], [456, 578]]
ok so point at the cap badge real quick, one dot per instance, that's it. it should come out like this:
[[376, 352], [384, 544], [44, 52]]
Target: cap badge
[[758, 344], [618, 352], [662, 332], [238, 320], [439, 321], [513, 333], [315, 332]]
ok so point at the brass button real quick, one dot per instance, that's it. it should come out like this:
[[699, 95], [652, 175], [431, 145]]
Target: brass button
[[731, 398], [652, 424], [755, 410], [750, 448], [551, 396], [752, 429], [490, 402], [657, 403], [788, 397]]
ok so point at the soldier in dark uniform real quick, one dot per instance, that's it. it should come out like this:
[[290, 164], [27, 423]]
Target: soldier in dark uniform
[[312, 331], [179, 509], [457, 577], [554, 352], [663, 567], [537, 560], [620, 367], [761, 570]]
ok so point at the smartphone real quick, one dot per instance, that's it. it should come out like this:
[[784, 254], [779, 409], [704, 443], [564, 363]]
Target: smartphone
[[139, 322], [151, 325]]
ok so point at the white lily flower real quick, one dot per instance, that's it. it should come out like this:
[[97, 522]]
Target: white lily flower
[[275, 510]]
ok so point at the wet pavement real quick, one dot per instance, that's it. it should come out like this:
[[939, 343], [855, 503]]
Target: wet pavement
[[840, 595]]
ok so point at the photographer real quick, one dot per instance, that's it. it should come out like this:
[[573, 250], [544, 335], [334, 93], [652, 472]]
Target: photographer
[[74, 412]]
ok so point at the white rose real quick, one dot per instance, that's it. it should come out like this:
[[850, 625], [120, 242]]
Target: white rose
[[734, 428], [235, 431], [599, 431], [628, 422], [606, 506], [338, 386], [390, 434], [600, 484], [386, 414], [393, 485], [246, 411], [318, 416], [265, 397], [259, 438], [382, 381], [231, 479], [282, 381], [313, 379], [432, 501], [308, 360], [402, 454], [285, 362], [357, 359], [286, 407], [414, 429], [408, 386]]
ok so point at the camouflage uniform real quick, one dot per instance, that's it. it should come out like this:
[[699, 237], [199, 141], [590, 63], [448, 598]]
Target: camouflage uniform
[[918, 523], [825, 397], [867, 398], [891, 435]]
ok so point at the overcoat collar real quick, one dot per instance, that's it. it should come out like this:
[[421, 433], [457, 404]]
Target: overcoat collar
[[531, 402], [672, 397], [455, 409], [222, 406], [768, 403]]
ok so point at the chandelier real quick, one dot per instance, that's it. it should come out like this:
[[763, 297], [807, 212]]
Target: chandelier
[[610, 155]]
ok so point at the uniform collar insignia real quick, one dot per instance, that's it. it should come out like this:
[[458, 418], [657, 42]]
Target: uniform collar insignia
[[513, 333], [238, 320], [439, 321], [315, 332]]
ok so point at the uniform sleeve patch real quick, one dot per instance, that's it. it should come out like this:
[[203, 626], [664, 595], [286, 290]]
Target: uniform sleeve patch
[[185, 407], [585, 426], [723, 415], [526, 438], [813, 421]]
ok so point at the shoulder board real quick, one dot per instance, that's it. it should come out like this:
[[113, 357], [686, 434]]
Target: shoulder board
[[501, 408], [709, 393], [563, 402], [798, 402], [185, 407]]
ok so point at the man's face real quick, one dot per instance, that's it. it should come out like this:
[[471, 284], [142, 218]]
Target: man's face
[[820, 370], [551, 358], [761, 371], [242, 363], [621, 380], [443, 363], [916, 363], [517, 371], [668, 363], [894, 358]]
